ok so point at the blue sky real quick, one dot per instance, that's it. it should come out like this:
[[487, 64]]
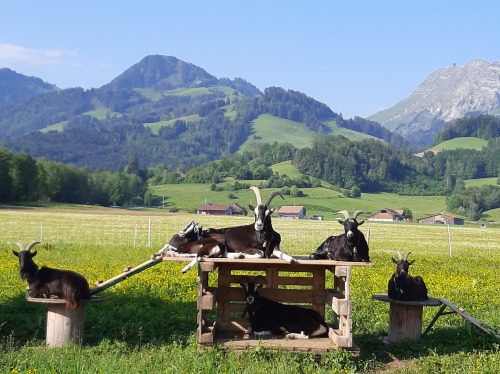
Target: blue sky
[[358, 57]]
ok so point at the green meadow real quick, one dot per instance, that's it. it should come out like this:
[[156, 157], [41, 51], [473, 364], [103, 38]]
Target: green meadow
[[147, 323]]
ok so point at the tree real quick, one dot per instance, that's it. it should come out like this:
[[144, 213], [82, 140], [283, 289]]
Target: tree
[[24, 175], [355, 191]]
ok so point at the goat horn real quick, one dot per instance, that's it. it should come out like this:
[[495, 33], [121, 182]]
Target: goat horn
[[399, 254], [20, 245], [345, 213], [272, 196], [257, 194], [32, 244], [357, 213], [406, 258]]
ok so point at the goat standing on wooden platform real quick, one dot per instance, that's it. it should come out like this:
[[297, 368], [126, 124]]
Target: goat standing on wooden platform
[[271, 317], [258, 239], [403, 286], [349, 246], [47, 282]]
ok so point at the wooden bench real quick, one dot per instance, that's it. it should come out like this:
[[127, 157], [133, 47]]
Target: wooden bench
[[405, 317], [64, 325], [303, 283]]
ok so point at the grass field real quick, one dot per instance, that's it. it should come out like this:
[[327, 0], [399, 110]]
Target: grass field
[[317, 201], [461, 143], [147, 323]]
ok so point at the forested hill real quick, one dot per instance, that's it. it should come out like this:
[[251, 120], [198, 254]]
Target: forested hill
[[14, 87], [485, 127], [161, 110]]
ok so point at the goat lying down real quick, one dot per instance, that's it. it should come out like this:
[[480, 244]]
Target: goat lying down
[[193, 241], [46, 282], [349, 246], [271, 317], [402, 286]]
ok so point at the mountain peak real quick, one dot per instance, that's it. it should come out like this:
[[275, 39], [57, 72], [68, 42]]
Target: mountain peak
[[446, 94], [162, 73]]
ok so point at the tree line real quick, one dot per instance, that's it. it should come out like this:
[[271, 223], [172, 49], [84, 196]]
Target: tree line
[[23, 178]]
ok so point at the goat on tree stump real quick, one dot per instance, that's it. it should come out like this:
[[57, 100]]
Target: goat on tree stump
[[45, 282], [349, 246], [404, 287], [271, 317]]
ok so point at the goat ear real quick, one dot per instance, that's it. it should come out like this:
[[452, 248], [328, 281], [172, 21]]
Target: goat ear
[[15, 253], [340, 221], [394, 260], [360, 223], [274, 209], [251, 206], [411, 262], [33, 254]]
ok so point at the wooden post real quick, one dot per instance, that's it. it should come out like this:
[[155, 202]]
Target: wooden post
[[64, 325]]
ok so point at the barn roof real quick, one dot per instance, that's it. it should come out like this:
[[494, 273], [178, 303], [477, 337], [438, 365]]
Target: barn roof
[[214, 207], [287, 209]]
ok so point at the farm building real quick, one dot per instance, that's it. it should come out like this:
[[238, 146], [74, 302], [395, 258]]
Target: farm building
[[222, 210], [387, 215], [443, 218], [297, 212]]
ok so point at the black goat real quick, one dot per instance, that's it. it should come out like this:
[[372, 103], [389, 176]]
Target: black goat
[[349, 246], [195, 242], [47, 282], [403, 286], [270, 317], [258, 239]]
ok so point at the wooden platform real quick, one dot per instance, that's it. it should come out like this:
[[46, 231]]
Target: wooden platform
[[405, 317], [302, 283]]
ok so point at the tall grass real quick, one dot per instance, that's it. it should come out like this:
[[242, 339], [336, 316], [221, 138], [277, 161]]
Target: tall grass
[[148, 322]]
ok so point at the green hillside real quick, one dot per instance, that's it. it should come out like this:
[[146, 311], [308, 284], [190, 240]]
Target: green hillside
[[267, 128], [481, 182], [461, 143]]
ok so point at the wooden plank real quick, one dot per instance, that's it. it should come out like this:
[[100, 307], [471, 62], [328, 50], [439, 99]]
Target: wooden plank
[[431, 301], [468, 317], [244, 341]]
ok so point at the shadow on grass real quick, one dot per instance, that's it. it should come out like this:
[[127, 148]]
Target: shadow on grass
[[133, 319], [439, 341]]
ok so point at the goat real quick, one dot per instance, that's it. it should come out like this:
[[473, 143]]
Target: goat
[[258, 239], [47, 282], [193, 241], [403, 286], [271, 317], [349, 246]]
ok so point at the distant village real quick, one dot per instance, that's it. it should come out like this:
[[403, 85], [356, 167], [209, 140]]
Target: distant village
[[299, 212]]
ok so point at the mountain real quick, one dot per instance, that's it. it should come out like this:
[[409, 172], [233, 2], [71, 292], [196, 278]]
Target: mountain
[[165, 110], [15, 86], [445, 95]]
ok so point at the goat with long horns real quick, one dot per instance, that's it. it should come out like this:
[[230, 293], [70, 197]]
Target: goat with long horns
[[46, 282], [349, 246]]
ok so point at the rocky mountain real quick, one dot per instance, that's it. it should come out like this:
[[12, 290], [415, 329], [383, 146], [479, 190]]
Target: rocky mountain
[[445, 95], [15, 87]]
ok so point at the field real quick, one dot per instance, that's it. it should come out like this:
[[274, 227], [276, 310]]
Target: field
[[317, 201], [147, 323]]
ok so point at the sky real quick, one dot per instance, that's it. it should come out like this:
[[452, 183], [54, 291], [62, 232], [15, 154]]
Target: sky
[[357, 57]]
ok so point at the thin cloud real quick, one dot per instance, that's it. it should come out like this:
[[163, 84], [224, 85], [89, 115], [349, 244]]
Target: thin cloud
[[15, 54]]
